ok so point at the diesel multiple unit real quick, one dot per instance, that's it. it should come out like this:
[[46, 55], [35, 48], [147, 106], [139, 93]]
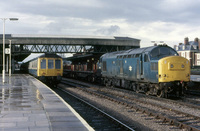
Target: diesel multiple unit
[[47, 68]]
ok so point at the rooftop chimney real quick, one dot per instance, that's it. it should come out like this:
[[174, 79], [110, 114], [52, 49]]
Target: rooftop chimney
[[196, 39], [186, 41], [175, 47], [199, 44]]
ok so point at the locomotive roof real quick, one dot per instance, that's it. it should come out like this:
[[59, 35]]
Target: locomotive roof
[[133, 51], [141, 50]]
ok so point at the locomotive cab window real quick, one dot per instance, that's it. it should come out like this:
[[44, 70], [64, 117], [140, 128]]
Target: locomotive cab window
[[43, 64], [161, 52], [50, 64], [58, 64]]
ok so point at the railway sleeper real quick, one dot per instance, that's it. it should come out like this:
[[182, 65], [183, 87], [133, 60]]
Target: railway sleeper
[[171, 121]]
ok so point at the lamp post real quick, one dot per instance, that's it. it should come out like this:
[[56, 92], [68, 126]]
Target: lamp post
[[10, 59], [3, 71]]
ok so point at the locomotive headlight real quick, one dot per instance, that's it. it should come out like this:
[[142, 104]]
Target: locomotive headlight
[[171, 66], [182, 66]]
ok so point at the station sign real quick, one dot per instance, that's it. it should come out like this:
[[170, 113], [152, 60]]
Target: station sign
[[7, 50]]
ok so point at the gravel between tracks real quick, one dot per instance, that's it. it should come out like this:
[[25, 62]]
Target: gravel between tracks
[[167, 103], [139, 120]]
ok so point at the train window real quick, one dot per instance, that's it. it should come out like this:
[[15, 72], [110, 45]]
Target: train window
[[50, 64], [101, 60], [162, 52], [146, 58], [43, 64], [154, 66], [172, 52], [120, 56], [155, 52], [125, 56], [129, 56], [137, 55], [58, 64], [35, 64], [104, 66], [133, 56]]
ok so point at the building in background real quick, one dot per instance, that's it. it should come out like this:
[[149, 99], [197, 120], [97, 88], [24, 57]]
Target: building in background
[[190, 50]]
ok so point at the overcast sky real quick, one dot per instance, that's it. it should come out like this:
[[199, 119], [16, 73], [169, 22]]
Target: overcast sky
[[149, 20]]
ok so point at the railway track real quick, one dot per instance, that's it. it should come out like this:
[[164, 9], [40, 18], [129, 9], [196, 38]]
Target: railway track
[[193, 92], [166, 114], [190, 100], [97, 118]]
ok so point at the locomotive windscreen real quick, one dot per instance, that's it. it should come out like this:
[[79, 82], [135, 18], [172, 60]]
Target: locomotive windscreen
[[161, 52]]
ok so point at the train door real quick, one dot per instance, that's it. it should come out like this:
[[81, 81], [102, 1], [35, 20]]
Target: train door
[[119, 70], [146, 67], [140, 66], [51, 68], [58, 67], [121, 66], [42, 71]]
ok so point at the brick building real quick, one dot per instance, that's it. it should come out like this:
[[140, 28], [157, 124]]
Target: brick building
[[190, 50]]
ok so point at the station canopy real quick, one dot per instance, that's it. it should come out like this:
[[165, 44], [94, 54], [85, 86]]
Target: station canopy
[[26, 44]]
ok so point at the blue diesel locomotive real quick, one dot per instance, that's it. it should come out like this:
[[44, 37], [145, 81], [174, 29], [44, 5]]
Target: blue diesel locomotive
[[156, 70]]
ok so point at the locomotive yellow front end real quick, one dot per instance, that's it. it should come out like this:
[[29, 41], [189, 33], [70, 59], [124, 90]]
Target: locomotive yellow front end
[[173, 68], [173, 75]]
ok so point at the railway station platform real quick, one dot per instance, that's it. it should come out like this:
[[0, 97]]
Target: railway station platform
[[26, 104]]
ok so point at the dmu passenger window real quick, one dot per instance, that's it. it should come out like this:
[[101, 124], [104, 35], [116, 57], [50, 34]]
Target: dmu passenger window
[[50, 64], [43, 64], [58, 64]]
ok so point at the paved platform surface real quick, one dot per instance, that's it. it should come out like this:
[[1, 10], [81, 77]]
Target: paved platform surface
[[28, 105]]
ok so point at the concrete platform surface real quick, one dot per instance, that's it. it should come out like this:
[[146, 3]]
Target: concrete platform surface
[[29, 105]]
